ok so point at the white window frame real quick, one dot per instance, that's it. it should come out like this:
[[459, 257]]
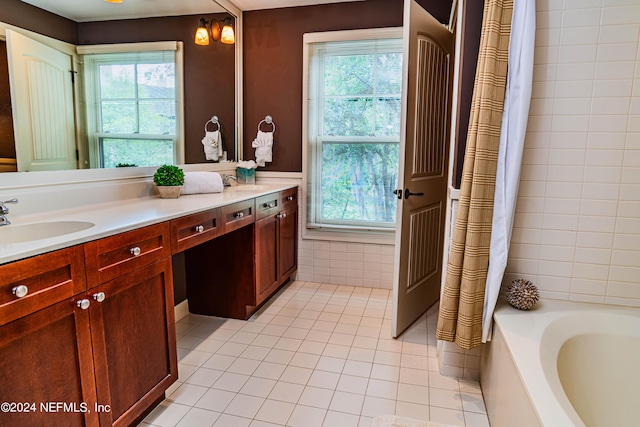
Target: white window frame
[[91, 93], [345, 233]]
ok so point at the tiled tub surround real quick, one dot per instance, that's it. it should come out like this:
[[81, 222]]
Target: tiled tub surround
[[577, 227], [577, 224], [315, 355]]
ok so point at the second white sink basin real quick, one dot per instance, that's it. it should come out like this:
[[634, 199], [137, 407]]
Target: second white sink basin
[[11, 234]]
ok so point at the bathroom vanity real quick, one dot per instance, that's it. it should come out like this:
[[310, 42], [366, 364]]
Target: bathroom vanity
[[87, 328]]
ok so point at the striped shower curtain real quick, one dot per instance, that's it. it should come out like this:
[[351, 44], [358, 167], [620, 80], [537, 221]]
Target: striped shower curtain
[[461, 306]]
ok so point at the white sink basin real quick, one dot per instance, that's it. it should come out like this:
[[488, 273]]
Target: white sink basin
[[246, 187], [10, 234]]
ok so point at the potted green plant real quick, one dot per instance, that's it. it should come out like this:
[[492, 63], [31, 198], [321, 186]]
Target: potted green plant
[[168, 180]]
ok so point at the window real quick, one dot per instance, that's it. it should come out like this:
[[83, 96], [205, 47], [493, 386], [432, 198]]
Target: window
[[132, 113], [353, 129]]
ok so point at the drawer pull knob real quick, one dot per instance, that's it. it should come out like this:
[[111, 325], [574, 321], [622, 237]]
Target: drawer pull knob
[[282, 215], [239, 214], [135, 251], [20, 291], [270, 205], [84, 304], [289, 198], [199, 229], [99, 296]]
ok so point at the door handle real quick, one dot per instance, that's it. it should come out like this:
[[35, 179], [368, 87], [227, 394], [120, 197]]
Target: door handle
[[408, 194]]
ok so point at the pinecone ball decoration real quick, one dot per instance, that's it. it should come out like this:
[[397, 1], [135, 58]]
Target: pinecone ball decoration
[[522, 294]]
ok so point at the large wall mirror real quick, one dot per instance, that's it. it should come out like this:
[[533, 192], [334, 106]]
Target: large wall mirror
[[211, 77]]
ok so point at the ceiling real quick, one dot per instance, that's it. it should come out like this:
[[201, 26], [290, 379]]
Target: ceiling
[[99, 10]]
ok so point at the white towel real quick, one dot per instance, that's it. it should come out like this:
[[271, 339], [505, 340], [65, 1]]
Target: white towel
[[212, 142], [263, 144], [202, 182]]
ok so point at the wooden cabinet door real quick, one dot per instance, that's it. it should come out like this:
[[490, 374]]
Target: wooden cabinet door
[[266, 257], [134, 341], [287, 243], [45, 359]]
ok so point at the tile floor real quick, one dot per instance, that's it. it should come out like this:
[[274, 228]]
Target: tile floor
[[315, 355]]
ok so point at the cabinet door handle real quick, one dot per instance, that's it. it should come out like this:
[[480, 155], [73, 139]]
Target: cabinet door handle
[[270, 205], [199, 228], [20, 291], [289, 198], [282, 215], [239, 214], [99, 296], [135, 251], [84, 304]]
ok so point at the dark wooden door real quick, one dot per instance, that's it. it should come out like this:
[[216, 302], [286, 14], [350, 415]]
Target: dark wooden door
[[45, 358], [133, 335], [287, 242], [266, 257]]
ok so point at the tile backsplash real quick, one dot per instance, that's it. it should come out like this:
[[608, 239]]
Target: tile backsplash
[[577, 225]]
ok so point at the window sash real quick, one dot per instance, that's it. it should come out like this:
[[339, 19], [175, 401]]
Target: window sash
[[318, 137], [95, 102]]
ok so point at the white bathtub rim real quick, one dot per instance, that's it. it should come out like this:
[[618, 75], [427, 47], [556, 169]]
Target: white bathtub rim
[[552, 408]]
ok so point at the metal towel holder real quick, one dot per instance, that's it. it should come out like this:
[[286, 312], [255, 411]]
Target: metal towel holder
[[268, 120]]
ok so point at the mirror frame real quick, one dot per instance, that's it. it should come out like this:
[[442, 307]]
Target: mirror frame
[[14, 180]]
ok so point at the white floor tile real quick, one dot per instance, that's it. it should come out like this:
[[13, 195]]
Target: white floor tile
[[244, 406], [227, 420], [340, 419], [315, 355], [347, 402], [316, 397], [274, 411], [197, 417], [305, 416]]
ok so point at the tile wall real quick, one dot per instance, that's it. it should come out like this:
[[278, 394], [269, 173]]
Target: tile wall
[[577, 225]]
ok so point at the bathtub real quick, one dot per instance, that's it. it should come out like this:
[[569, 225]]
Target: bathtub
[[563, 364]]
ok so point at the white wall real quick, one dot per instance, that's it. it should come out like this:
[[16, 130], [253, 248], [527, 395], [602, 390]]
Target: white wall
[[577, 226]]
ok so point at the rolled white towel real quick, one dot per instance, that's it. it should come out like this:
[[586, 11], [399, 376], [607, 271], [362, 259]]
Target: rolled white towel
[[202, 182]]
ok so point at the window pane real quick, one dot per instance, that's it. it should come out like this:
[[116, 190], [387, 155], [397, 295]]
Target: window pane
[[358, 182], [117, 81], [389, 73], [348, 117], [156, 81], [158, 117], [136, 152], [119, 117], [388, 116], [348, 75]]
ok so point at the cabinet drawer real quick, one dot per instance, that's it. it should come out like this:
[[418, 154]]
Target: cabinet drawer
[[114, 256], [289, 198], [267, 205], [237, 215], [46, 279], [191, 230]]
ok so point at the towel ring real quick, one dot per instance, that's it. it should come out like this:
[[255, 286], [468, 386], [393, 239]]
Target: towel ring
[[214, 120], [268, 120]]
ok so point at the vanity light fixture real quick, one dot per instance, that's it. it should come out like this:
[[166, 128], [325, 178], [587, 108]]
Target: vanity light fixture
[[211, 29], [202, 33], [228, 36]]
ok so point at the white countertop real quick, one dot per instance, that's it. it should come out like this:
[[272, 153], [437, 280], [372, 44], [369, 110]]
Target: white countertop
[[117, 217]]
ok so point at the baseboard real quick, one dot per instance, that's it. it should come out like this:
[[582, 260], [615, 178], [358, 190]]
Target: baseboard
[[181, 310]]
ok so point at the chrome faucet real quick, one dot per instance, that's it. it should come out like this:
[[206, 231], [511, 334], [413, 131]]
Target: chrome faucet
[[4, 211], [226, 178]]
